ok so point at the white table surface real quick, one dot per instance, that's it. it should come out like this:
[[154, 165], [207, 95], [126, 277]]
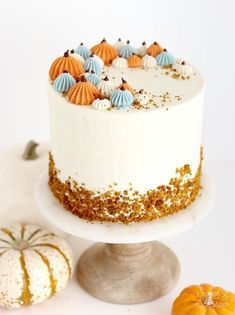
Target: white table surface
[[206, 254]]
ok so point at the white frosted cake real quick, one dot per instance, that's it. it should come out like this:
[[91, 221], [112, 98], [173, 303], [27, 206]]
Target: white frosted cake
[[125, 128]]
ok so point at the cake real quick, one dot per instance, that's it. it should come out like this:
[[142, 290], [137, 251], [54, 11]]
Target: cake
[[125, 131]]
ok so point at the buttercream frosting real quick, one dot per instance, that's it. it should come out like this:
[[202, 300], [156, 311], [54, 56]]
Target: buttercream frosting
[[92, 77], [92, 64], [149, 62], [120, 63], [105, 51], [141, 98], [126, 86], [65, 63], [101, 104], [183, 68], [142, 49], [64, 82], [77, 57], [154, 49], [165, 59], [83, 51], [127, 50], [122, 98], [160, 140], [119, 44], [157, 82], [134, 61], [83, 92], [100, 60], [106, 87]]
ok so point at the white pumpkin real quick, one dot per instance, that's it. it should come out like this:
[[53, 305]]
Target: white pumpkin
[[20, 168], [34, 265]]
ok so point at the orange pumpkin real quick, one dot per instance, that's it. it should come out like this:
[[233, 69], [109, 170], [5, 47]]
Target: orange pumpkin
[[83, 92], [68, 63], [126, 86], [105, 51], [134, 61], [204, 299], [154, 50]]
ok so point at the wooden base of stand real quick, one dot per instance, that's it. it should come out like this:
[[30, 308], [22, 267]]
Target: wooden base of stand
[[128, 273]]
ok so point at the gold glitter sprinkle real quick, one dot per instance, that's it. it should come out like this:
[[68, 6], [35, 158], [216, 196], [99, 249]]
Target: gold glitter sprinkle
[[129, 205]]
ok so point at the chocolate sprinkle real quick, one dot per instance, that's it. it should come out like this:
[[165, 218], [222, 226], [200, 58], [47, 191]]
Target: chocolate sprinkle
[[66, 54], [83, 78]]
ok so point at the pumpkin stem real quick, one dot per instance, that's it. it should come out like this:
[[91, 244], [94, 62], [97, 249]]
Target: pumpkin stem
[[208, 300], [20, 244], [30, 151]]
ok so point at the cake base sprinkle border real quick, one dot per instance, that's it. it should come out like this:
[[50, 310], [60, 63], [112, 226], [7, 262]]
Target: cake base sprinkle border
[[126, 206]]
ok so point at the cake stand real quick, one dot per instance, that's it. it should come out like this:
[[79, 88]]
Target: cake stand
[[131, 266]]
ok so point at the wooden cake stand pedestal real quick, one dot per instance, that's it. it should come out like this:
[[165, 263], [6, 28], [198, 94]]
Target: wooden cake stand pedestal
[[127, 266], [128, 273]]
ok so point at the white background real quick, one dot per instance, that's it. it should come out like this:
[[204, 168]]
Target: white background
[[33, 33]]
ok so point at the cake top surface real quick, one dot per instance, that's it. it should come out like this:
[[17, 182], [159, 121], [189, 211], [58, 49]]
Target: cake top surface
[[122, 77]]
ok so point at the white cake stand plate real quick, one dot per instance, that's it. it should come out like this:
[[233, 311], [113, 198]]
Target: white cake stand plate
[[129, 268]]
